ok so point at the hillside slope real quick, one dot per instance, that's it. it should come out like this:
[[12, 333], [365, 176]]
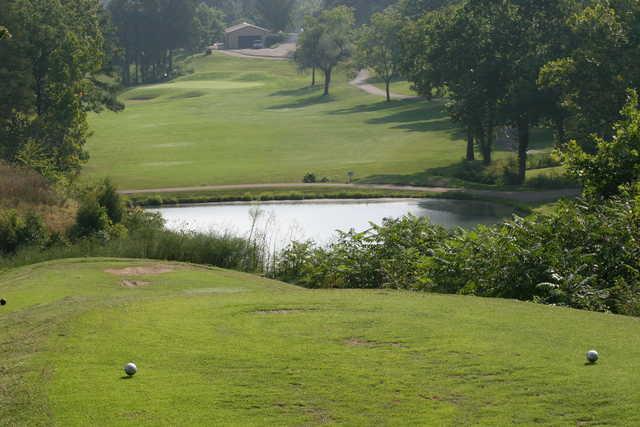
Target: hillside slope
[[220, 347]]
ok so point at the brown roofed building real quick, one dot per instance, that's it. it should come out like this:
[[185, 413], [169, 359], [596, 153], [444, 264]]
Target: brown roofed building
[[244, 36]]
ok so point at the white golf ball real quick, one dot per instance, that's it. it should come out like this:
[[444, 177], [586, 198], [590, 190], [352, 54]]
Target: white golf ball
[[592, 356], [131, 369]]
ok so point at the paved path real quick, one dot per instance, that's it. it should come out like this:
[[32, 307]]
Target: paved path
[[517, 196], [361, 83]]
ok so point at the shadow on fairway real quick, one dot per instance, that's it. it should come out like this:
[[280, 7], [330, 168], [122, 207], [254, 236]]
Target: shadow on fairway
[[381, 106], [302, 103], [447, 176], [126, 377], [306, 90], [412, 115]]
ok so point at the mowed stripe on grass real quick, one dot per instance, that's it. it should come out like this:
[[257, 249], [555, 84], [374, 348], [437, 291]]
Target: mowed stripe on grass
[[220, 347]]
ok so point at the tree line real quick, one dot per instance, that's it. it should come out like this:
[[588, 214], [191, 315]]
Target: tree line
[[514, 64]]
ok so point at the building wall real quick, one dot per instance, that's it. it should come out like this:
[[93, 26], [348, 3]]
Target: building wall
[[232, 39]]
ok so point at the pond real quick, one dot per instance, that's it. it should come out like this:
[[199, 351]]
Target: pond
[[319, 220]]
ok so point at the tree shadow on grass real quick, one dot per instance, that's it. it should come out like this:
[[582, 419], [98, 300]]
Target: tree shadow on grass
[[445, 176], [378, 106], [306, 90], [304, 102], [412, 115]]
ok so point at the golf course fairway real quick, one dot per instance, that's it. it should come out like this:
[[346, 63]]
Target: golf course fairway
[[215, 347]]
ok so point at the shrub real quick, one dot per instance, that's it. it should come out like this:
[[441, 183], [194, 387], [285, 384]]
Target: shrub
[[309, 178], [17, 231], [581, 255], [107, 196], [92, 218]]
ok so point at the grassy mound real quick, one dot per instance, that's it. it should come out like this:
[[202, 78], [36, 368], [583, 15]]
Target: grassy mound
[[219, 347]]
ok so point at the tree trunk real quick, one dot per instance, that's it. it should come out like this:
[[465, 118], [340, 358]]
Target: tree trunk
[[313, 76], [387, 84], [137, 69], [327, 81], [523, 147], [491, 137], [170, 62], [561, 133], [471, 156]]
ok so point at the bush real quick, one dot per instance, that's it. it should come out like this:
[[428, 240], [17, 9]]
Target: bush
[[582, 255], [309, 178], [387, 255], [107, 196], [17, 231], [92, 218]]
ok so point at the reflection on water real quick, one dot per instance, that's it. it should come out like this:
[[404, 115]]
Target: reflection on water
[[319, 220]]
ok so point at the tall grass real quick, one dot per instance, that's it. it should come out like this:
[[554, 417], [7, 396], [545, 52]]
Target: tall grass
[[217, 249], [23, 185]]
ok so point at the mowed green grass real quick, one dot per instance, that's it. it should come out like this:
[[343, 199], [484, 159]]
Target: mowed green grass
[[222, 348], [245, 121]]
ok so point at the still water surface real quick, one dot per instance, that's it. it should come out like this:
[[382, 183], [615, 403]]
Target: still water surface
[[319, 220]]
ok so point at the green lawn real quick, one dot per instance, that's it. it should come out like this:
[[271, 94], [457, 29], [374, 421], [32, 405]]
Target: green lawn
[[244, 121], [220, 348], [401, 87]]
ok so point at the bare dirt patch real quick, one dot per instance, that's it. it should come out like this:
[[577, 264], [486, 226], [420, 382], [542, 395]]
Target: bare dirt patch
[[131, 284], [148, 270]]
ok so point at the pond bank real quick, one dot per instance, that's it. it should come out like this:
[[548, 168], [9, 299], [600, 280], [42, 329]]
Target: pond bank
[[298, 191]]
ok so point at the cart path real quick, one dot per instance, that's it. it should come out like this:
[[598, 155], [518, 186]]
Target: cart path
[[361, 83], [518, 196]]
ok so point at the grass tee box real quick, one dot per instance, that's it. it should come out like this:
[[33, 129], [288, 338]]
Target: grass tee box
[[217, 347]]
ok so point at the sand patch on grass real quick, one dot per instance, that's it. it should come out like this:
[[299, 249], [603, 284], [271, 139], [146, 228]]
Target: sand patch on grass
[[131, 284], [142, 271]]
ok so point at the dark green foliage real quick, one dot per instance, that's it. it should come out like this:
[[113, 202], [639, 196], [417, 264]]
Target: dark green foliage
[[593, 75], [17, 231], [91, 219], [275, 14], [363, 9], [149, 31], [616, 162], [326, 42], [388, 256], [582, 255], [108, 197], [47, 82], [208, 27], [309, 178]]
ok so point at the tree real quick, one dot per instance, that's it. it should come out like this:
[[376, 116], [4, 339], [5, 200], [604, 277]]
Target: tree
[[208, 27], [454, 48], [537, 35], [363, 9], [415, 9], [592, 78], [488, 56], [4, 33], [149, 31], [616, 161], [378, 46], [306, 54], [275, 14], [334, 43], [47, 82]]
